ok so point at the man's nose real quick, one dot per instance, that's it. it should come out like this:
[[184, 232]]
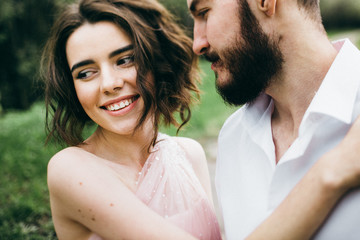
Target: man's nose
[[200, 44]]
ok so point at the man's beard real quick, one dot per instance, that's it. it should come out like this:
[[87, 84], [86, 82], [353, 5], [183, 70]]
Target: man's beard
[[251, 63]]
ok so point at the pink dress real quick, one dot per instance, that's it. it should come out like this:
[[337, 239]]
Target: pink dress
[[169, 186]]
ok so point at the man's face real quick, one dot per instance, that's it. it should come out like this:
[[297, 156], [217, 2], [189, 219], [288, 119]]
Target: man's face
[[243, 57]]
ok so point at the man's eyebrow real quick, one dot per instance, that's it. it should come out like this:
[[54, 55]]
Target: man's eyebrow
[[121, 50], [193, 5], [80, 64]]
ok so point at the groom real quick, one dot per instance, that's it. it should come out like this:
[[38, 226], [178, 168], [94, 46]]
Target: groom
[[300, 94]]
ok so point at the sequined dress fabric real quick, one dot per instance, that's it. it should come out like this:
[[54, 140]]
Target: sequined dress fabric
[[169, 186]]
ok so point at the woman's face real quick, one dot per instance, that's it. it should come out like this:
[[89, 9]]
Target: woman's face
[[100, 58]]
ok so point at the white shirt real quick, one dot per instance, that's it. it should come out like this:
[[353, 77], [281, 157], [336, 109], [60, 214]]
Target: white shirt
[[249, 183]]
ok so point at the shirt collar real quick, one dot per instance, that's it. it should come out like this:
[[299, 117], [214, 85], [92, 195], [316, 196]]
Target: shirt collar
[[337, 93], [335, 97], [258, 110]]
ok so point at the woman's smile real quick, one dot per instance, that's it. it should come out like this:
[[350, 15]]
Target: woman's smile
[[121, 106]]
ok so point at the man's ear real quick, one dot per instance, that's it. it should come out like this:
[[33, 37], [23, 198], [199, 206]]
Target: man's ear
[[267, 6]]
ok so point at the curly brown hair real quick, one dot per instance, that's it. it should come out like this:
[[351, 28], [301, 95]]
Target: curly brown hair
[[161, 48]]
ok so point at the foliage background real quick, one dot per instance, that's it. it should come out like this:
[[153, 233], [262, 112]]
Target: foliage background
[[24, 26]]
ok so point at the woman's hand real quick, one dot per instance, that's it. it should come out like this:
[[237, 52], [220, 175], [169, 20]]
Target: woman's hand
[[311, 200]]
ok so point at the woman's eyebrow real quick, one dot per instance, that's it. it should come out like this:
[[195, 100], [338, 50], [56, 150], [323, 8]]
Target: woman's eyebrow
[[121, 50], [80, 64], [112, 54]]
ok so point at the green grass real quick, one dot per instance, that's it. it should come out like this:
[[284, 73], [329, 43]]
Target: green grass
[[24, 202]]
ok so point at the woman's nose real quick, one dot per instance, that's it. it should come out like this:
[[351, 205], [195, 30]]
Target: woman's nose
[[111, 81]]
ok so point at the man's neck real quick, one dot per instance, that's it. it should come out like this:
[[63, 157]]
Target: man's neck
[[306, 64]]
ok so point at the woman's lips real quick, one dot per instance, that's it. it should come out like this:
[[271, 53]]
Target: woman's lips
[[121, 107]]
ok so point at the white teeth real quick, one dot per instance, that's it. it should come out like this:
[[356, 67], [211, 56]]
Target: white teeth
[[117, 106]]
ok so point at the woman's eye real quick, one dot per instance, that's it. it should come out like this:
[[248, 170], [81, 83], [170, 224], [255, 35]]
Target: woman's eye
[[84, 74], [125, 60]]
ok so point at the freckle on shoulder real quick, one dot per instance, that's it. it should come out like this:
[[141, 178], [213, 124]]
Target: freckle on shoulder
[[67, 168]]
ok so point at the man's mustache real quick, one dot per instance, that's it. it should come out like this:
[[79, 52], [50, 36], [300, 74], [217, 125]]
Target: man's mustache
[[211, 56]]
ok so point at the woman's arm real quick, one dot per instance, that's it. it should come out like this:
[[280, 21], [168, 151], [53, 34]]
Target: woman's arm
[[88, 197], [311, 200]]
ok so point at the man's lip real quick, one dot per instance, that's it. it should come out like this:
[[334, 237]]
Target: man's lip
[[214, 64], [119, 99]]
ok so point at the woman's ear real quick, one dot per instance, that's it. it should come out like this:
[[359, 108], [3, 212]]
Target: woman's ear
[[267, 6]]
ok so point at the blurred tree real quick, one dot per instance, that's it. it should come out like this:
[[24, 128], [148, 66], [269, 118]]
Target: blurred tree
[[23, 29], [339, 14], [180, 11]]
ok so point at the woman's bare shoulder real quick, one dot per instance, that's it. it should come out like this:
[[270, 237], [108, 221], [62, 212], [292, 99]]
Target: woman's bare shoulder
[[74, 167], [193, 149], [69, 160], [65, 155], [64, 167]]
